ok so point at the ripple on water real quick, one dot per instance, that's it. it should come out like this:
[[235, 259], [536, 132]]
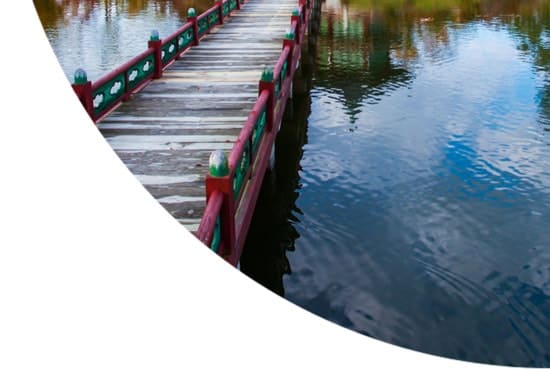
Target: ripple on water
[[427, 219]]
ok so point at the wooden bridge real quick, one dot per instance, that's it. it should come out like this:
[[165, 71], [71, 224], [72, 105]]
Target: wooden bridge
[[200, 132]]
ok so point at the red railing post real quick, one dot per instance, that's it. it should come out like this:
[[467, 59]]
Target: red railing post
[[220, 179], [192, 17], [83, 89], [238, 4], [156, 43], [219, 4], [267, 83], [290, 42], [296, 17]]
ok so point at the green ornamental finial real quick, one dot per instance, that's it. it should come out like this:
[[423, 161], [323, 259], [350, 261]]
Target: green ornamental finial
[[289, 34], [80, 77], [191, 12], [217, 164], [296, 12], [154, 35], [267, 74]]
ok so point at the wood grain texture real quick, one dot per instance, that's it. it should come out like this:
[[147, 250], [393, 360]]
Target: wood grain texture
[[165, 133]]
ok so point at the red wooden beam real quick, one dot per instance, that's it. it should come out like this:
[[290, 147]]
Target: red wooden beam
[[156, 45], [192, 18], [205, 232]]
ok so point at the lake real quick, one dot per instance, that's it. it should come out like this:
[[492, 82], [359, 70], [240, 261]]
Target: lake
[[410, 196]]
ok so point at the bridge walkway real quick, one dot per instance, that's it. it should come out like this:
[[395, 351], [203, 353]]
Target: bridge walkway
[[166, 132]]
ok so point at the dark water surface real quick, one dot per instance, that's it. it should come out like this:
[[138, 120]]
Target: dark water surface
[[411, 195], [410, 199]]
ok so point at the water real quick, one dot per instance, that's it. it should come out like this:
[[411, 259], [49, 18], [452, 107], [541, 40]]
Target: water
[[410, 199], [98, 36]]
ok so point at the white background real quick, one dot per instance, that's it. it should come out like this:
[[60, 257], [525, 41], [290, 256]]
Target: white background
[[95, 274]]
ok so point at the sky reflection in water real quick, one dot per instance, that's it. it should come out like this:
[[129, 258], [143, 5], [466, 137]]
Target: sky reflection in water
[[420, 215], [411, 195]]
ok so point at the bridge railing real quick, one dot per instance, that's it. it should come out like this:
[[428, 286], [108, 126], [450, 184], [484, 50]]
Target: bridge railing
[[101, 97], [234, 181], [229, 177]]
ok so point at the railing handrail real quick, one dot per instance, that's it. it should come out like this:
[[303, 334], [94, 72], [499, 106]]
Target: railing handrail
[[256, 136], [212, 211], [187, 25], [293, 26], [279, 65], [246, 131], [121, 69], [267, 98], [160, 64], [207, 12]]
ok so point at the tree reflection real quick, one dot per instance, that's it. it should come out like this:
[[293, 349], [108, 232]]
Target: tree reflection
[[530, 28], [365, 49], [355, 55], [54, 12], [368, 48]]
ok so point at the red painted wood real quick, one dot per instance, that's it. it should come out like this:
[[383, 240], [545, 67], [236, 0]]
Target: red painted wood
[[219, 4], [206, 228], [222, 17], [219, 190], [291, 53], [173, 37], [195, 25], [295, 25], [215, 8], [247, 130], [157, 47], [270, 88], [84, 93], [277, 73], [121, 69], [248, 204], [289, 56], [282, 57], [227, 212], [245, 136]]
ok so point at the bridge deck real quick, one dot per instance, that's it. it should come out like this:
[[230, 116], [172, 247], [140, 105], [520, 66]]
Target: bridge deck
[[165, 133]]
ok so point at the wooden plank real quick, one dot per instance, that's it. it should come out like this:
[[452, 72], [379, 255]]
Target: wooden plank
[[165, 133]]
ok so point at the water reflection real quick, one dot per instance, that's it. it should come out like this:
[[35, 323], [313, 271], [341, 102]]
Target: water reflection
[[411, 192], [273, 232], [52, 13], [420, 211], [100, 35]]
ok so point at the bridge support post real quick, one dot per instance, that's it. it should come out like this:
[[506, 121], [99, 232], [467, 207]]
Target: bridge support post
[[219, 4], [296, 17], [83, 89], [290, 41], [192, 17], [156, 43], [220, 179], [267, 83]]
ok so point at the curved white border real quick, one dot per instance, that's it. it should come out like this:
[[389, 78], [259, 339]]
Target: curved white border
[[95, 274]]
